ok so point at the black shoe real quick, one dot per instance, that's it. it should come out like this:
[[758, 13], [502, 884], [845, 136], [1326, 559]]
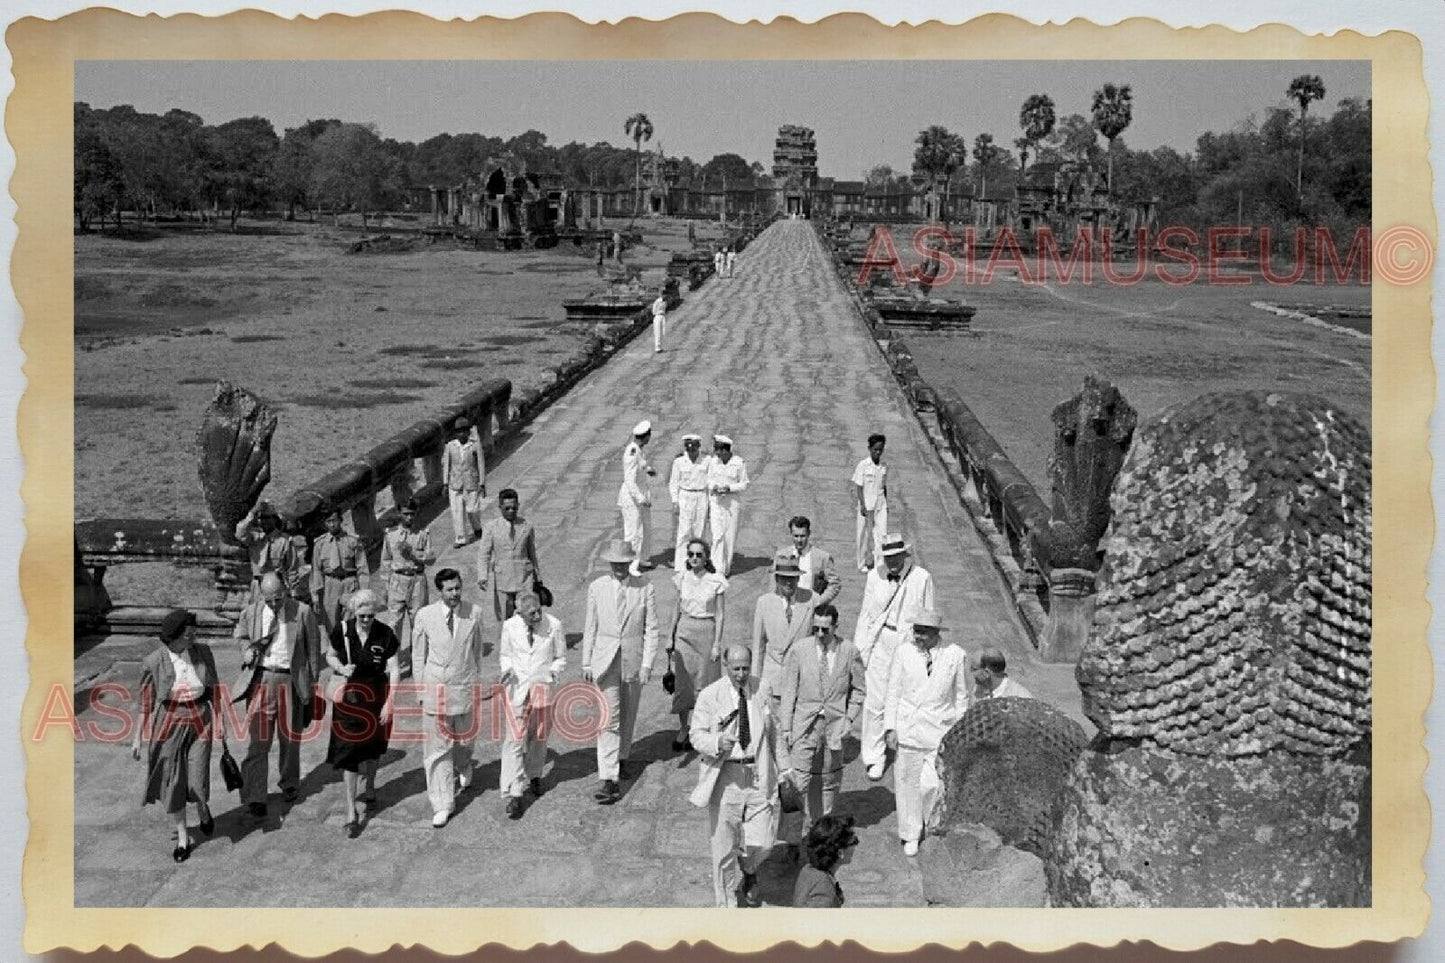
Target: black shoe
[[537, 788], [748, 891], [514, 807], [353, 829], [208, 825], [607, 793], [289, 794], [681, 744], [181, 853]]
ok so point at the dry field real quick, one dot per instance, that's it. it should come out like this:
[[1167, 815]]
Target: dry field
[[347, 347], [1032, 345]]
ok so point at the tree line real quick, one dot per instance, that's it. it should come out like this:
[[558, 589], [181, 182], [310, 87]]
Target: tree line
[[1289, 168], [152, 165]]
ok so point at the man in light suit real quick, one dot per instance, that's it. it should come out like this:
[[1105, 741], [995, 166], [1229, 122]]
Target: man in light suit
[[927, 693], [822, 698], [820, 572], [447, 653], [619, 645], [464, 473], [634, 497], [991, 679], [532, 654], [780, 618], [732, 728], [893, 595], [507, 556], [280, 659], [687, 486]]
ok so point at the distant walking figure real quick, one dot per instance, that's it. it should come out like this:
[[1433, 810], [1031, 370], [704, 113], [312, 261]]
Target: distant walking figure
[[732, 257], [634, 494], [727, 478], [719, 262], [659, 321]]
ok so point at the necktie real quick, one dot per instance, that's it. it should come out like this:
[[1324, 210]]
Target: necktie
[[892, 576], [928, 661], [745, 726], [451, 621], [621, 596], [789, 612]]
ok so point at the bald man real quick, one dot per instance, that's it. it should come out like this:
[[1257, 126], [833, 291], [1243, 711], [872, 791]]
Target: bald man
[[732, 729], [280, 659]]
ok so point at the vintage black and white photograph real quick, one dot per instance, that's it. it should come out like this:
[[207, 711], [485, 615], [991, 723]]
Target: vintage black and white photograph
[[723, 484]]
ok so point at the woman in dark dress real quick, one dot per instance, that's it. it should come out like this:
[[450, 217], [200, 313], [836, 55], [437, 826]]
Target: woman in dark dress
[[830, 845], [363, 650]]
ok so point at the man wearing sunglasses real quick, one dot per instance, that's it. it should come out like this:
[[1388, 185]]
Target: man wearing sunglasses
[[822, 697]]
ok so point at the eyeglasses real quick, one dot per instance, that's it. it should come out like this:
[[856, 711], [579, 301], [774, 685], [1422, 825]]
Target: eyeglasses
[[697, 555], [365, 616], [822, 629]]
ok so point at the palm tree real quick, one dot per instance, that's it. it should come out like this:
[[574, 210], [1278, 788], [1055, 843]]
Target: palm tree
[[985, 155], [1022, 144], [1302, 90], [1113, 111], [1036, 119], [939, 154], [639, 128]]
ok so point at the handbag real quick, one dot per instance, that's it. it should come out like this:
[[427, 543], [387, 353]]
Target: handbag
[[788, 796], [230, 770], [335, 683]]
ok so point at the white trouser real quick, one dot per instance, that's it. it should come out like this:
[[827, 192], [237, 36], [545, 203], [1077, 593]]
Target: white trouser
[[659, 328], [634, 530], [875, 693], [915, 789], [740, 824], [614, 740], [446, 752], [691, 520], [723, 519], [872, 526], [524, 751], [466, 513]]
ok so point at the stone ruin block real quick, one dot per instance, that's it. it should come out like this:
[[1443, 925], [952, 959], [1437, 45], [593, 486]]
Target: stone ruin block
[[1229, 669], [233, 449], [1233, 616], [1002, 765], [1152, 827]]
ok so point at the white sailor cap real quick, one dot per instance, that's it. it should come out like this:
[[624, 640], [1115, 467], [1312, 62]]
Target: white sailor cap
[[641, 428], [722, 440], [691, 437]]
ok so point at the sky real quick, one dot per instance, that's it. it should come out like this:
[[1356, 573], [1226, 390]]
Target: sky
[[864, 112]]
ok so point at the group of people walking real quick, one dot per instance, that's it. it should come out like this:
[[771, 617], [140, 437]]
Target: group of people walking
[[768, 716]]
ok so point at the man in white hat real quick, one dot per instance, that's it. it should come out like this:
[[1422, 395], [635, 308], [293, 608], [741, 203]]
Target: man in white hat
[[927, 694], [635, 495], [894, 594], [732, 730], [619, 645], [687, 487], [727, 478]]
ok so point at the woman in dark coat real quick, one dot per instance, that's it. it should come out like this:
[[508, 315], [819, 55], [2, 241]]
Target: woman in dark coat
[[364, 651], [177, 697], [830, 845]]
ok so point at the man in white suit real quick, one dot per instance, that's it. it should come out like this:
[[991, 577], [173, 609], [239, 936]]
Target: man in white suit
[[533, 654], [635, 497], [619, 645], [687, 487], [927, 693], [464, 474], [991, 679], [732, 729], [447, 658], [893, 595]]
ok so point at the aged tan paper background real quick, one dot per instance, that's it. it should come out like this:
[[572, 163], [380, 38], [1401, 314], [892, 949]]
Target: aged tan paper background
[[39, 125]]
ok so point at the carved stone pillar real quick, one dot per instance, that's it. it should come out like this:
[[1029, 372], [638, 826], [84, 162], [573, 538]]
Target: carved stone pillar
[[1071, 612]]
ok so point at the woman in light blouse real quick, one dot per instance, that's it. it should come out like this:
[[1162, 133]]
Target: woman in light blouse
[[697, 630], [177, 697]]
